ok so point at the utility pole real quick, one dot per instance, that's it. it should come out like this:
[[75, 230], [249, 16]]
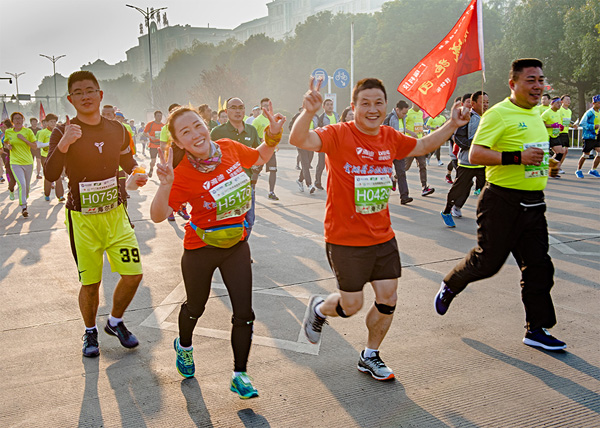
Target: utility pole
[[16, 76], [53, 59], [148, 15]]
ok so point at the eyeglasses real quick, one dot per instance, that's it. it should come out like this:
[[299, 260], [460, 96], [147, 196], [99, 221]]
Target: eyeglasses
[[241, 108], [87, 93]]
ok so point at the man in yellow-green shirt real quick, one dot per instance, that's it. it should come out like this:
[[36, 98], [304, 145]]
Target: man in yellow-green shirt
[[414, 128], [566, 114], [553, 123], [545, 105], [432, 124], [260, 123], [43, 138], [513, 144]]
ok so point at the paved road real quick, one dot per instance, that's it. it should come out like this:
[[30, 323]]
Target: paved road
[[466, 369]]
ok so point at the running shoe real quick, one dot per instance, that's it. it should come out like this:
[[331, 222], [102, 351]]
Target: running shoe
[[185, 360], [477, 192], [456, 212], [394, 182], [312, 189], [578, 173], [242, 385], [273, 196], [318, 186], [2, 180], [560, 171], [374, 366], [594, 173], [449, 179], [427, 160], [24, 212], [183, 213], [541, 338], [298, 167], [313, 324], [300, 185], [448, 220], [406, 201], [46, 198], [172, 217], [443, 299], [150, 173], [427, 191], [61, 199], [127, 339], [11, 195], [90, 344], [38, 177], [440, 163]]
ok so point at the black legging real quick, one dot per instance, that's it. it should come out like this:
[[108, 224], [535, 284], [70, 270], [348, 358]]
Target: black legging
[[197, 267]]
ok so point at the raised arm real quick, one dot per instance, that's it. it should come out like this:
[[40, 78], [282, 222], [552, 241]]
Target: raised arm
[[301, 135], [459, 117]]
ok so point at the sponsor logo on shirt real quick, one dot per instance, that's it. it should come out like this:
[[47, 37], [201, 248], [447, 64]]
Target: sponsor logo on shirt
[[522, 126], [367, 169], [213, 182], [384, 155], [364, 153]]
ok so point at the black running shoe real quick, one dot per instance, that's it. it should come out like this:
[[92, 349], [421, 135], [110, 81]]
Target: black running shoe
[[127, 339], [90, 344], [444, 297]]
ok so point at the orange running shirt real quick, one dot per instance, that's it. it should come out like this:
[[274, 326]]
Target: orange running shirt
[[193, 186], [351, 153]]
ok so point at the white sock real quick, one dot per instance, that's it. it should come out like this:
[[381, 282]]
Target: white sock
[[186, 348], [369, 352], [91, 329], [114, 321], [238, 373], [318, 311]]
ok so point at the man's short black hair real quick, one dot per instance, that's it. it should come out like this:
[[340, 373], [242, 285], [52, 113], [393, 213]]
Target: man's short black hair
[[79, 76], [476, 96], [173, 107], [401, 105], [157, 111], [547, 95], [518, 65], [368, 83], [466, 97], [562, 97]]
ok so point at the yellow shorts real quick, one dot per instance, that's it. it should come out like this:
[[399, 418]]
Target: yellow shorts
[[92, 235]]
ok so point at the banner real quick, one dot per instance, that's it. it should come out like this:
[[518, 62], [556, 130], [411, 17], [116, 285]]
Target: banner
[[42, 112], [431, 82]]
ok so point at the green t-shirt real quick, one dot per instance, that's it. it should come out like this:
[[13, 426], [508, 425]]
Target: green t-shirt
[[542, 108], [126, 125], [436, 122], [508, 128], [260, 123], [43, 136], [331, 118], [565, 114], [414, 122], [165, 135], [550, 117], [21, 152]]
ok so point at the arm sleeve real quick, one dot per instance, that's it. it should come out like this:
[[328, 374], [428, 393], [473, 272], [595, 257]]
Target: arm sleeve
[[329, 139], [461, 137], [587, 122], [491, 127], [472, 129], [56, 160]]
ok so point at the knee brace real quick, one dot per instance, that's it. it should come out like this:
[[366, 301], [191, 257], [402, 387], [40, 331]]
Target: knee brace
[[340, 311], [241, 321], [558, 157], [385, 309], [185, 311]]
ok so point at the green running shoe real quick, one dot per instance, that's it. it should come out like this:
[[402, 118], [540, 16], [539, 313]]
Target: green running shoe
[[185, 360], [243, 386]]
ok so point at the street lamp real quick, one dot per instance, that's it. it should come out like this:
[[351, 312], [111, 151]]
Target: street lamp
[[53, 59], [148, 15], [16, 76]]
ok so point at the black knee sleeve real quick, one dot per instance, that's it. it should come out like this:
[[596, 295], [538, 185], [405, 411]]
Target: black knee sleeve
[[241, 321], [385, 309], [558, 157], [340, 311], [187, 313]]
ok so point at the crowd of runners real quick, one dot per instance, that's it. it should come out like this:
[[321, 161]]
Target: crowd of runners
[[211, 161]]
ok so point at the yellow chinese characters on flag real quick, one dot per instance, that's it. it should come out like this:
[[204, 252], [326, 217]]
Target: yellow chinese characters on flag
[[431, 82]]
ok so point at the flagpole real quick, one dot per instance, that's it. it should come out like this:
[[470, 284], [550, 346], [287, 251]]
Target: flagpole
[[351, 58]]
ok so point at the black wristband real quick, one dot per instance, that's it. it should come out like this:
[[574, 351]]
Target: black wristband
[[511, 158]]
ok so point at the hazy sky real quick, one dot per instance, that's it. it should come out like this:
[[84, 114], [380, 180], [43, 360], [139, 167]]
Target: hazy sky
[[86, 30]]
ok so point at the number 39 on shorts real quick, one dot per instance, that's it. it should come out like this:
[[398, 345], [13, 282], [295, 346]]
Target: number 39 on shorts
[[130, 255]]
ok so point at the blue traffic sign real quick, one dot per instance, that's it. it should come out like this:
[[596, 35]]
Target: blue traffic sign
[[319, 73], [341, 78]]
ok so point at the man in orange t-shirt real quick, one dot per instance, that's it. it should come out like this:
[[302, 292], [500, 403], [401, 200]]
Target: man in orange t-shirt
[[152, 131], [360, 242]]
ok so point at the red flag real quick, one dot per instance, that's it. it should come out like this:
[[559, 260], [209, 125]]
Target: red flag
[[42, 112], [431, 82]]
